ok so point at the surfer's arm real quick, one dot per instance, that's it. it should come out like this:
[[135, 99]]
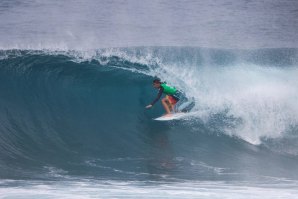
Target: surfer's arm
[[158, 96]]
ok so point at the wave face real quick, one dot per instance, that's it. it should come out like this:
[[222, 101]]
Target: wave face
[[81, 113]]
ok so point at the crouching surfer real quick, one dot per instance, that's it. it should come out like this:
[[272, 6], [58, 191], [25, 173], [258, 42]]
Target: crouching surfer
[[168, 102]]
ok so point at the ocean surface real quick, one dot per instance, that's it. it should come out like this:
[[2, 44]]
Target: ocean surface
[[75, 77]]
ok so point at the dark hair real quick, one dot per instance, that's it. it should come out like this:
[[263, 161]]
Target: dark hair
[[157, 80]]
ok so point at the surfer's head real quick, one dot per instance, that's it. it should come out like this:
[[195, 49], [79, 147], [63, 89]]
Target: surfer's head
[[156, 83]]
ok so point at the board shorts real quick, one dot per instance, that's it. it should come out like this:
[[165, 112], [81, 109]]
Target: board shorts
[[172, 99]]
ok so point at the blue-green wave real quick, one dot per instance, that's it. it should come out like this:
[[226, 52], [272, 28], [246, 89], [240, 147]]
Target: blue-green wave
[[82, 113]]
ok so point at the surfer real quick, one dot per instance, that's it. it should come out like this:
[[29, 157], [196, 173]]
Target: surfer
[[172, 96]]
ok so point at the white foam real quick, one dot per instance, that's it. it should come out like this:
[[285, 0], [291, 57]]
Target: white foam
[[263, 99], [120, 189]]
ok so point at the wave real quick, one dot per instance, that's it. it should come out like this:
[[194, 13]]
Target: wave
[[82, 112]]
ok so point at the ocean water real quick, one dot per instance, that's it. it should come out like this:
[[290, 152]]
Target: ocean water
[[75, 77]]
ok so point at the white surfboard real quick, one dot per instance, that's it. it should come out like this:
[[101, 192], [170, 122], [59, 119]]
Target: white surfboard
[[173, 116]]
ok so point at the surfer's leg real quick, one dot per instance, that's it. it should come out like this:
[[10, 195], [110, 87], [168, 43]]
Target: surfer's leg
[[172, 107], [164, 102], [172, 102]]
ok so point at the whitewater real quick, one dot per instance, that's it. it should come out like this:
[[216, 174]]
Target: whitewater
[[75, 77]]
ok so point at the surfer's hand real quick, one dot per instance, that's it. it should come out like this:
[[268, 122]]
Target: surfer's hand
[[149, 106]]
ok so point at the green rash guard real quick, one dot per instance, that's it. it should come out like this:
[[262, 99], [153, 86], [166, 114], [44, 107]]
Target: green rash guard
[[164, 88], [168, 90]]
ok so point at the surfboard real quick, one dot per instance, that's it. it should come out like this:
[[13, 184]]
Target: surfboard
[[174, 116]]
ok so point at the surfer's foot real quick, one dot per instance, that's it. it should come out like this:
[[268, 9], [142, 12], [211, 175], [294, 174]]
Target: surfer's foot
[[167, 115]]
